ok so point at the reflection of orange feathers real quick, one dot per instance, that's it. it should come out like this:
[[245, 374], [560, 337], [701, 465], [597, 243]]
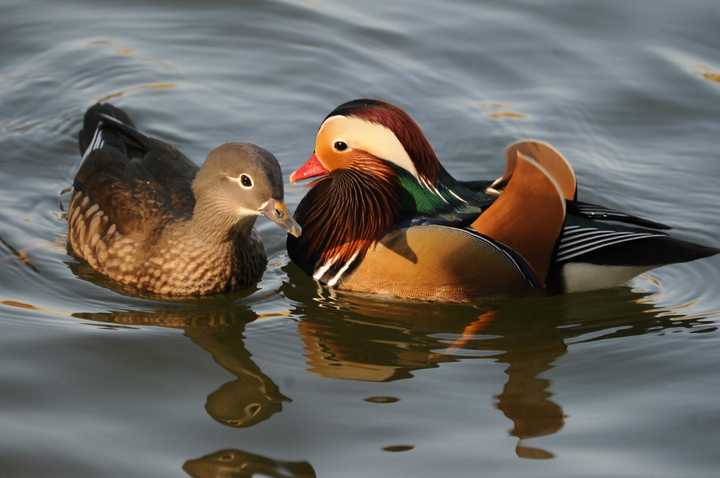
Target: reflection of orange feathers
[[474, 328], [528, 216]]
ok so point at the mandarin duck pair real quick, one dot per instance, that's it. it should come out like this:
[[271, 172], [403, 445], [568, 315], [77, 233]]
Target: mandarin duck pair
[[382, 215]]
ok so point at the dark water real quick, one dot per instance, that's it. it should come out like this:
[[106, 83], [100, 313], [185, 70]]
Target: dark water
[[284, 381]]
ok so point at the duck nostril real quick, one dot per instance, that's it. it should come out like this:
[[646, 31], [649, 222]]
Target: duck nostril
[[279, 213]]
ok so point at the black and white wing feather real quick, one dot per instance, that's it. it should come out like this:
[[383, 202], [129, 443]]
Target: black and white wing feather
[[597, 242], [578, 240]]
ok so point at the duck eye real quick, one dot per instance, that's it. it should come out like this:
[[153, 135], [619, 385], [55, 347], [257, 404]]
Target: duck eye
[[340, 145], [246, 181]]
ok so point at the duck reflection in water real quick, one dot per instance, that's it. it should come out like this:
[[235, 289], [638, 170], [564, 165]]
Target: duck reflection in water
[[249, 399], [357, 338], [408, 339], [240, 464], [246, 401], [361, 338]]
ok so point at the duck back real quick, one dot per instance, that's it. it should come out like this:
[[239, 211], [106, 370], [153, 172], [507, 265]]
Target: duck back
[[138, 182]]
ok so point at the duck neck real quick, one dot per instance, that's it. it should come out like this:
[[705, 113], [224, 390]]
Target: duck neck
[[343, 215], [216, 223]]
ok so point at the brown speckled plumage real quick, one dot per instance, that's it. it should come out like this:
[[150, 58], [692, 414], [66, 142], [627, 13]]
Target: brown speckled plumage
[[144, 215], [173, 261]]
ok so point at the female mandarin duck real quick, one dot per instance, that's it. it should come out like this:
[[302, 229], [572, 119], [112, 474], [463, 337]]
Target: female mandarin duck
[[144, 215], [384, 216]]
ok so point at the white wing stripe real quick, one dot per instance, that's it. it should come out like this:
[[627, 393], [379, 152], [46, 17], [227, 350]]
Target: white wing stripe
[[566, 238], [595, 236], [92, 146], [591, 247], [576, 232], [600, 240]]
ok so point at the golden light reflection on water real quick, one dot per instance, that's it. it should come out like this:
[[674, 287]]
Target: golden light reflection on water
[[506, 115], [709, 74], [138, 88], [712, 76], [18, 304], [125, 51], [19, 254], [497, 110]]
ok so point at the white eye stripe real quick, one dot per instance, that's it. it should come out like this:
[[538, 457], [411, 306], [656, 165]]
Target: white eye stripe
[[372, 138], [244, 180]]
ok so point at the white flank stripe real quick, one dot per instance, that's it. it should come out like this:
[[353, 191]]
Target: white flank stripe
[[342, 270], [570, 254], [323, 269]]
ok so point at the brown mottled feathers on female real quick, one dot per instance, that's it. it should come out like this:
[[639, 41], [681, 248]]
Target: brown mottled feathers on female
[[147, 217]]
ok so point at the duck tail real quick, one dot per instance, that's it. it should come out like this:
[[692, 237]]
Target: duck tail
[[655, 252], [685, 251], [93, 117]]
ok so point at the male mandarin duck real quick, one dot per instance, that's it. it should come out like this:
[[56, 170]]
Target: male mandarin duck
[[384, 216], [144, 215]]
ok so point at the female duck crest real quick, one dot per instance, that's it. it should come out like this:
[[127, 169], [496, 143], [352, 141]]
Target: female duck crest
[[403, 126], [342, 216]]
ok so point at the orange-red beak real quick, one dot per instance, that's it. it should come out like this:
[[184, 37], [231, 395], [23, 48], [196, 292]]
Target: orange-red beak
[[311, 169]]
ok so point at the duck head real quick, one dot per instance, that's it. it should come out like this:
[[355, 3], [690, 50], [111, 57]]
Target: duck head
[[240, 181], [365, 132]]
